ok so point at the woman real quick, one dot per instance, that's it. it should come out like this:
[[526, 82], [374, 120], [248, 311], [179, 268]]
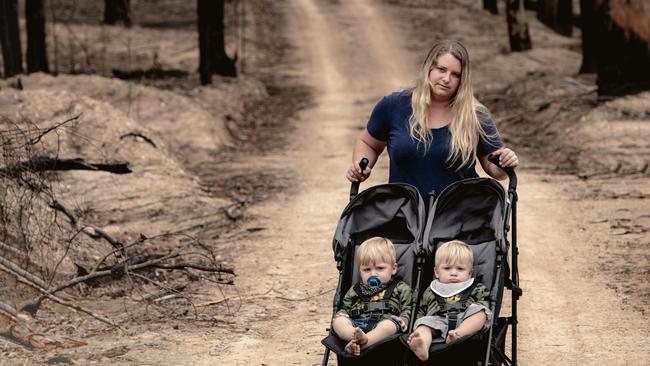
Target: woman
[[435, 130]]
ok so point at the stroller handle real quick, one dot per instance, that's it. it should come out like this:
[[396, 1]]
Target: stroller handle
[[512, 176], [354, 188]]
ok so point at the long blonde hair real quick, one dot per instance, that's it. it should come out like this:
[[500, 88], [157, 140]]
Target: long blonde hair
[[465, 127]]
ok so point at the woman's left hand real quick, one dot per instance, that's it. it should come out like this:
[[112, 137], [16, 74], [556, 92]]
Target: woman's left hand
[[507, 157]]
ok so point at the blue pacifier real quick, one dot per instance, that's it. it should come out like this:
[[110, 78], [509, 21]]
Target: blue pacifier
[[374, 281]]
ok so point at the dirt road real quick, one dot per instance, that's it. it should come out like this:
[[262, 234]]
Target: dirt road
[[583, 242], [350, 54]]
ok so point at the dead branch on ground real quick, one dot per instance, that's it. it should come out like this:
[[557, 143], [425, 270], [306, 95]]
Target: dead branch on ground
[[158, 294], [48, 163], [92, 231], [70, 304], [137, 136]]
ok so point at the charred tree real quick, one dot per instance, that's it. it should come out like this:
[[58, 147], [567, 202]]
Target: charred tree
[[212, 46], [557, 15], [117, 12], [588, 30], [517, 26], [36, 49], [491, 6], [623, 53], [10, 38]]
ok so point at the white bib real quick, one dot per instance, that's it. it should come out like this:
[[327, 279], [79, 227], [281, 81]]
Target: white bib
[[450, 289]]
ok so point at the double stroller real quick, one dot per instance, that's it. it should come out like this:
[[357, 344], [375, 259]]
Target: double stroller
[[476, 211]]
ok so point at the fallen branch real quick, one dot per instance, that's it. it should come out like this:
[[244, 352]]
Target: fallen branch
[[7, 248], [92, 231], [11, 266], [118, 269], [46, 163], [38, 138], [163, 286], [138, 135], [8, 310], [58, 300], [261, 296], [161, 293], [122, 249], [201, 267]]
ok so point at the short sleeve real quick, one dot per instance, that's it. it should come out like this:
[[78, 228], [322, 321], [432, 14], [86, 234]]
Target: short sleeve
[[492, 140], [378, 123]]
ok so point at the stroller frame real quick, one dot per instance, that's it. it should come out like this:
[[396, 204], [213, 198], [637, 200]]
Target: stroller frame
[[505, 277]]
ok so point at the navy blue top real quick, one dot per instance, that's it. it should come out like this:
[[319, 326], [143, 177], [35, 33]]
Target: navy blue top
[[410, 162]]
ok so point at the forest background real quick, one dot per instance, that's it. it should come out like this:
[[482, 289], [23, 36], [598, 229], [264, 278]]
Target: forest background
[[144, 142]]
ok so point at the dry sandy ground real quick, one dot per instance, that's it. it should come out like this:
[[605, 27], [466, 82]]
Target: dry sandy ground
[[583, 241]]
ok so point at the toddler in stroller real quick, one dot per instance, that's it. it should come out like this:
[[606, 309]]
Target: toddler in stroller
[[454, 305], [379, 305]]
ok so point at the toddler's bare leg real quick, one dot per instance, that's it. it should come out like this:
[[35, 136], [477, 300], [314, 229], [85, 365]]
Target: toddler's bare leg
[[420, 340], [343, 327], [469, 326], [383, 329]]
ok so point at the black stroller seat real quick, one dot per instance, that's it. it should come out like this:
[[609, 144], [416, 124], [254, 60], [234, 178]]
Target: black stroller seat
[[475, 211], [392, 211]]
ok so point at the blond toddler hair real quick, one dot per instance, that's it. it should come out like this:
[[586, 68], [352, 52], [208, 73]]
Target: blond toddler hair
[[376, 250], [453, 252]]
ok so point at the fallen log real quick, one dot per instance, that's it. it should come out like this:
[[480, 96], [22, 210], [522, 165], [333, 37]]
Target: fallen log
[[47, 163]]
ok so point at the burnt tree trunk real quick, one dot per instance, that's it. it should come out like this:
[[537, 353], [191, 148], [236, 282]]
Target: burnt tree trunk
[[10, 38], [557, 15], [622, 56], [588, 29], [212, 46], [517, 26], [491, 5], [36, 49], [117, 12]]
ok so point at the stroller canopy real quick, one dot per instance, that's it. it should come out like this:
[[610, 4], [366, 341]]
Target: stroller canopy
[[473, 211], [395, 211]]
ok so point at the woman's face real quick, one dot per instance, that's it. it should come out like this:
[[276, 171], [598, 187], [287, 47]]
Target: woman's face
[[444, 77]]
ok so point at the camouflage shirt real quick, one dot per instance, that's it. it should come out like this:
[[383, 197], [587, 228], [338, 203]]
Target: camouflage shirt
[[429, 306], [400, 300]]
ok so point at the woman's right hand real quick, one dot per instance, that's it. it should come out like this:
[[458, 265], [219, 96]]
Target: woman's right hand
[[354, 173]]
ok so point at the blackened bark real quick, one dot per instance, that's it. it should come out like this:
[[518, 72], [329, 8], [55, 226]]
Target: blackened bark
[[212, 51], [589, 39], [36, 49], [557, 15], [117, 12], [517, 26], [10, 38], [491, 6], [622, 57]]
